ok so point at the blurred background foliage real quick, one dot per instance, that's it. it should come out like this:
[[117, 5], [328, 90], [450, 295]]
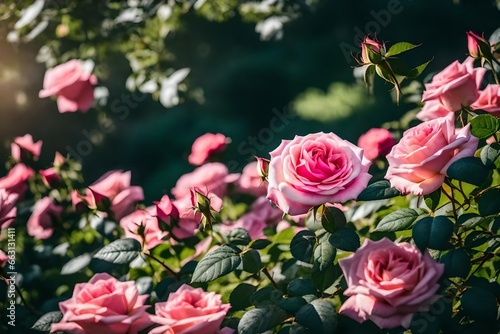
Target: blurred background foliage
[[249, 61]]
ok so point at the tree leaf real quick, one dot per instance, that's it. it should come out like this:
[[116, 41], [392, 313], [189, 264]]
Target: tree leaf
[[319, 317], [119, 251], [490, 154], [239, 236], [399, 220], [45, 322], [332, 218], [416, 71], [302, 245], [456, 263], [345, 239], [76, 264], [470, 170], [324, 252], [433, 232], [484, 126], [220, 262], [300, 287], [489, 202], [399, 48], [378, 190], [251, 261], [261, 319], [240, 296]]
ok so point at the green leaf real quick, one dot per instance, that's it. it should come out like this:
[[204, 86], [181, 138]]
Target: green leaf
[[476, 239], [332, 218], [490, 154], [432, 199], [484, 126], [260, 243], [302, 245], [489, 202], [479, 304], [324, 252], [456, 263], [45, 322], [239, 236], [470, 220], [292, 305], [378, 190], [345, 239], [399, 48], [399, 220], [398, 66], [433, 232], [76, 264], [265, 296], [319, 317], [415, 72], [240, 296], [324, 279], [261, 319], [119, 251], [218, 263], [300, 287], [251, 261], [470, 170]]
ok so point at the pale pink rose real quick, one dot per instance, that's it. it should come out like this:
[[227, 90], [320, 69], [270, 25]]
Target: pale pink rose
[[251, 181], [489, 100], [189, 219], [212, 177], [190, 310], [455, 86], [72, 83], [15, 180], [50, 176], [204, 147], [165, 209], [8, 210], [3, 258], [40, 224], [431, 110], [387, 283], [316, 169], [115, 186], [104, 305], [23, 146], [153, 235], [418, 163], [377, 142]]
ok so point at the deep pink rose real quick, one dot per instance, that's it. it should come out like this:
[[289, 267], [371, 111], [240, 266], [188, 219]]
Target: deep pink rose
[[455, 86], [40, 224], [473, 45], [8, 210], [24, 145], [489, 100], [72, 84], [212, 177], [418, 163], [432, 110], [206, 146], [377, 142], [190, 310], [115, 186], [15, 180], [316, 169], [153, 235], [189, 219], [3, 258], [251, 181], [165, 209], [104, 305], [389, 282]]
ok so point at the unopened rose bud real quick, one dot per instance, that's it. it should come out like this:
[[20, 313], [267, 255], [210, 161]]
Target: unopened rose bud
[[262, 168], [371, 51], [478, 46]]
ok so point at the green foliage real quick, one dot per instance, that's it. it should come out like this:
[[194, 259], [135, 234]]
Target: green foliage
[[218, 263], [319, 317], [433, 232], [378, 190], [119, 251], [399, 220], [484, 126]]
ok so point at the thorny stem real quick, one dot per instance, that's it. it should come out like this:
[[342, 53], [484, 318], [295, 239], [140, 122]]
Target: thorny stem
[[268, 275], [452, 200], [162, 264]]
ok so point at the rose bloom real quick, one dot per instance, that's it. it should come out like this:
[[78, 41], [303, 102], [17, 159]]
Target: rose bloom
[[15, 180], [72, 84], [489, 100], [377, 142], [189, 219], [431, 110], [212, 177], [115, 186], [205, 147], [418, 163], [316, 169], [3, 258], [153, 235], [104, 305], [22, 145], [8, 210], [455, 86], [40, 224], [190, 310], [251, 182], [389, 282]]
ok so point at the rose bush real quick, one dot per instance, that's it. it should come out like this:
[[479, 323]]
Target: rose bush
[[205, 147]]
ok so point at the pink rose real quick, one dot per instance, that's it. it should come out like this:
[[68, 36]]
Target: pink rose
[[72, 83], [153, 235], [213, 177], [21, 146], [418, 163], [8, 210], [50, 176], [370, 51], [104, 305], [165, 209], [3, 258], [206, 146], [15, 180], [190, 310], [251, 181], [376, 143], [455, 86], [115, 186], [189, 219], [432, 110], [388, 283], [316, 169], [489, 100], [40, 224]]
